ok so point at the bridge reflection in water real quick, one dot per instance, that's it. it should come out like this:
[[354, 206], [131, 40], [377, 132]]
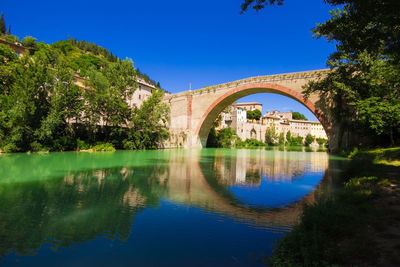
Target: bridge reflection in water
[[200, 184], [65, 199]]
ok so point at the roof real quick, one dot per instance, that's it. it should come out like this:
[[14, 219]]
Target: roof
[[303, 121], [247, 103], [270, 116]]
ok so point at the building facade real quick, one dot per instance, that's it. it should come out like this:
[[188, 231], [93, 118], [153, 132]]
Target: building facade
[[281, 121]]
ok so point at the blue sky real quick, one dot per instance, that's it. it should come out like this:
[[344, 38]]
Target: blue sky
[[178, 42]]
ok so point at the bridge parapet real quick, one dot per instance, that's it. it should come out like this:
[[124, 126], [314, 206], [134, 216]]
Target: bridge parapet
[[274, 78]]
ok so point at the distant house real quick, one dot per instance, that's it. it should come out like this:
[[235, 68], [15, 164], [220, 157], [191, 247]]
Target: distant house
[[18, 48], [281, 121]]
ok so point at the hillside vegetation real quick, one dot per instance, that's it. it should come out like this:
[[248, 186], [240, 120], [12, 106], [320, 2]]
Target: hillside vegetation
[[42, 108]]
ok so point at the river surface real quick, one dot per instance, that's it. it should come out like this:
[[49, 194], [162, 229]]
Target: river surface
[[205, 207]]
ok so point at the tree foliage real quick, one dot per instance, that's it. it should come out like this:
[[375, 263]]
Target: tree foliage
[[253, 114], [148, 127], [259, 4], [2, 24], [363, 87], [41, 107], [298, 116], [271, 136], [309, 140]]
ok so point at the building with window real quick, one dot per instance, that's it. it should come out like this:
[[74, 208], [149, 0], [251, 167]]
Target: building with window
[[281, 121]]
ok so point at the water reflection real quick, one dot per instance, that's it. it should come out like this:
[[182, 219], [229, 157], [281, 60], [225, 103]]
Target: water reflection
[[66, 199]]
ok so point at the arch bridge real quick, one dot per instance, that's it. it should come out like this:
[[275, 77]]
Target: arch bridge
[[193, 112]]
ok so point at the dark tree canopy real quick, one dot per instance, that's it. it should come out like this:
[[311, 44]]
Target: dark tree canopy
[[298, 116], [259, 4], [363, 86], [2, 24]]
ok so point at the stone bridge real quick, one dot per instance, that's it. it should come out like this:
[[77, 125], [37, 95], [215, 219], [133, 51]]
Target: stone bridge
[[193, 112]]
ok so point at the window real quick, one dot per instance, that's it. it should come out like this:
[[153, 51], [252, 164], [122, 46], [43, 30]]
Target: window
[[140, 97]]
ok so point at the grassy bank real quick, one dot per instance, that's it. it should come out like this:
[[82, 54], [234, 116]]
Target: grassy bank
[[359, 226]]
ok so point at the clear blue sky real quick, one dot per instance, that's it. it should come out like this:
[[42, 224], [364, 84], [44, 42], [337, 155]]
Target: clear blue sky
[[179, 41]]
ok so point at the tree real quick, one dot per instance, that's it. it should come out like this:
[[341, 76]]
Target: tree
[[309, 140], [321, 141], [271, 136], [365, 69], [259, 4], [256, 114], [296, 141], [226, 137], [281, 138], [253, 114], [148, 127], [364, 76], [2, 24], [298, 116], [288, 137], [250, 115]]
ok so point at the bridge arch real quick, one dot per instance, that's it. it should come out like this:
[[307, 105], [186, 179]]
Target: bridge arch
[[240, 91]]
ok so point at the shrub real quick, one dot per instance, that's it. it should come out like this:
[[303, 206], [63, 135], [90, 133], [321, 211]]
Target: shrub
[[82, 145], [309, 139], [103, 147]]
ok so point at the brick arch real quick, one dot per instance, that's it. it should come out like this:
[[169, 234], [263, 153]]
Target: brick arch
[[236, 93]]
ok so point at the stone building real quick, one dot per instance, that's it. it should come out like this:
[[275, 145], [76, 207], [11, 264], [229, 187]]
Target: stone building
[[18, 48], [281, 121], [143, 91], [249, 106]]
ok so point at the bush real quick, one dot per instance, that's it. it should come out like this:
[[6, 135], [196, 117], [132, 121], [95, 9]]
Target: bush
[[226, 137], [250, 143], [130, 145], [321, 141], [271, 136], [82, 145], [10, 147], [103, 147], [36, 147], [309, 140], [296, 141]]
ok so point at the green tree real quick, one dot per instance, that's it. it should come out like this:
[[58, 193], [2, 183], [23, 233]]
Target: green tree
[[271, 136], [256, 114], [296, 141], [65, 102], [288, 137], [2, 24], [364, 69], [30, 43], [281, 139], [259, 4], [226, 137], [148, 127], [321, 141], [309, 140], [298, 116], [250, 114]]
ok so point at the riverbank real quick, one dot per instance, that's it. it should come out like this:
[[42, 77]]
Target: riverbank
[[359, 226]]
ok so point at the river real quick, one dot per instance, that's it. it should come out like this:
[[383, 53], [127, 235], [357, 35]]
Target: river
[[197, 207]]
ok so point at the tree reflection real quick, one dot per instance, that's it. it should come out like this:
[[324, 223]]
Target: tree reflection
[[66, 199], [76, 208]]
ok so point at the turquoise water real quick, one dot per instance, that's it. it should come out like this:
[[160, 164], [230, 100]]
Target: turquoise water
[[214, 207]]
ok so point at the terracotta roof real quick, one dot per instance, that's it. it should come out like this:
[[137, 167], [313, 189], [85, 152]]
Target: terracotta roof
[[270, 116]]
